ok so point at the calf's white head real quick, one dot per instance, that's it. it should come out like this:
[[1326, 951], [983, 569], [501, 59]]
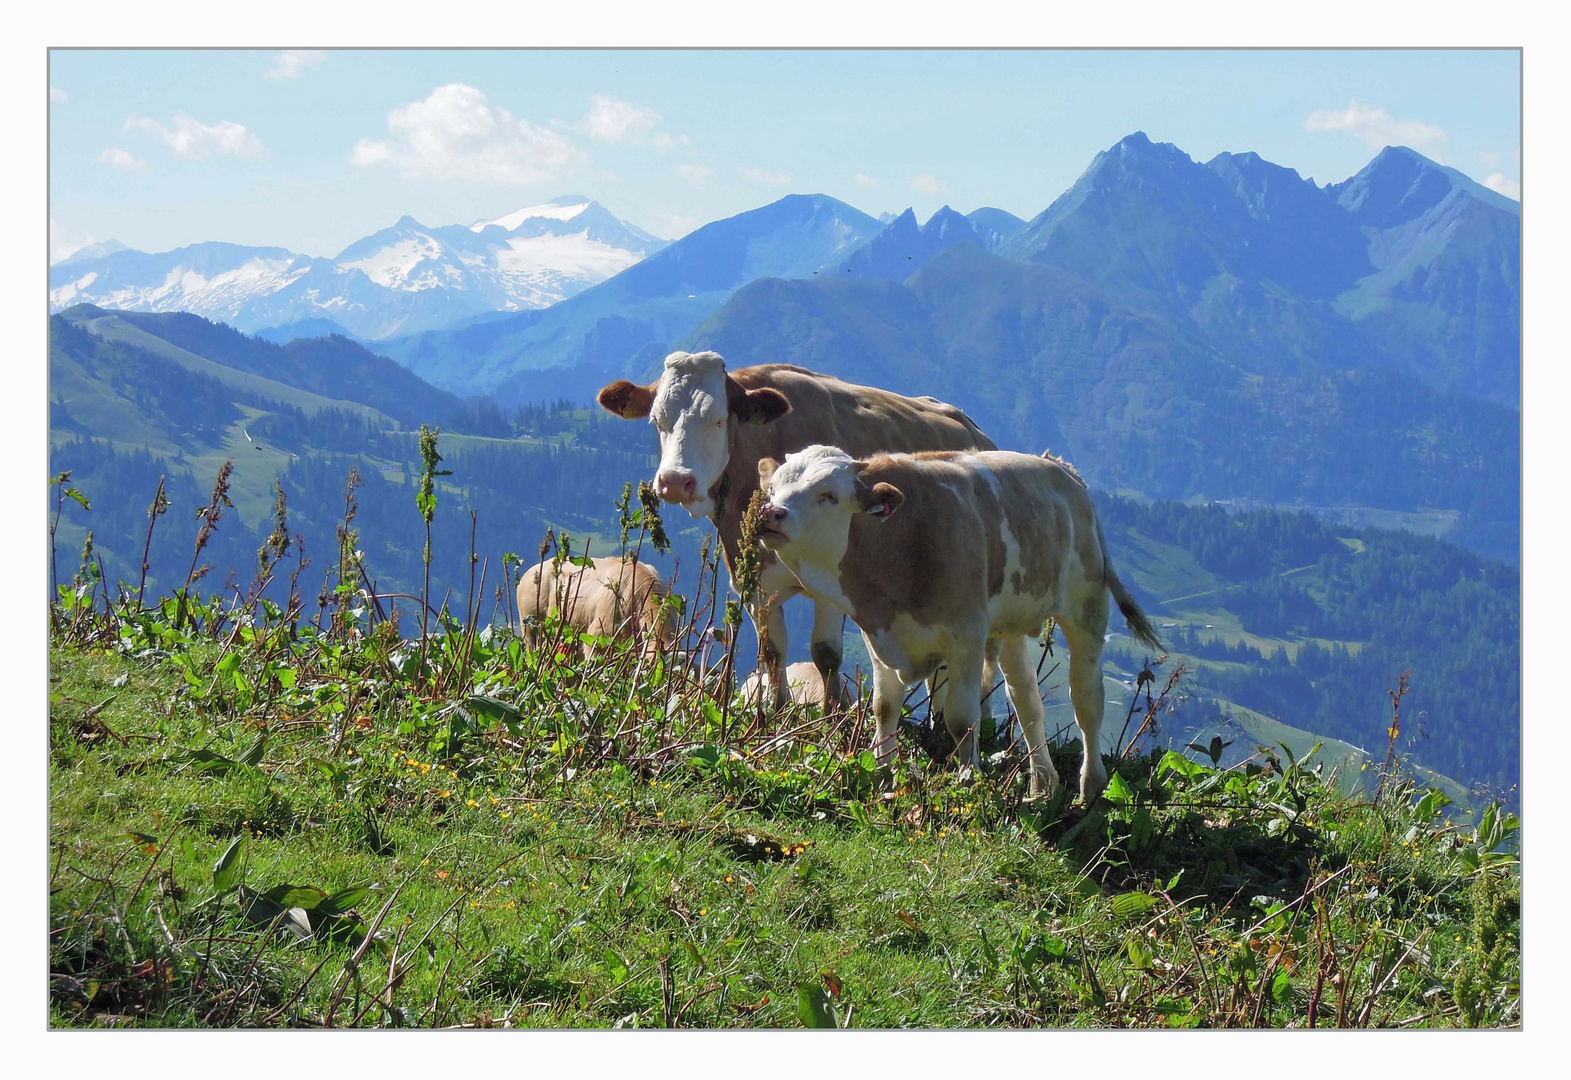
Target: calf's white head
[[694, 407], [810, 500]]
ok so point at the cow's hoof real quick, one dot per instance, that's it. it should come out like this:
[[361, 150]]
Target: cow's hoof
[[965, 776], [884, 779], [1042, 790]]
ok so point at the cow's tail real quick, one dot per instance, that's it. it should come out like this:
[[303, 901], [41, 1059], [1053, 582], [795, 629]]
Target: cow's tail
[[1139, 625]]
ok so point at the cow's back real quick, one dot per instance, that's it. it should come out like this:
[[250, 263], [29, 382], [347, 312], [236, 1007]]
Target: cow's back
[[601, 599], [975, 530], [862, 420]]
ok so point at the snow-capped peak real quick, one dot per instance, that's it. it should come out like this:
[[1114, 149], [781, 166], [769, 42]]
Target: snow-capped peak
[[551, 210]]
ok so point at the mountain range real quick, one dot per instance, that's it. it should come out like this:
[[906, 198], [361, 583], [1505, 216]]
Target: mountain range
[[1219, 330], [400, 280]]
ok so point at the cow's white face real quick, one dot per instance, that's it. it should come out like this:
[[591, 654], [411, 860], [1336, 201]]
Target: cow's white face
[[692, 408], [811, 498], [690, 413]]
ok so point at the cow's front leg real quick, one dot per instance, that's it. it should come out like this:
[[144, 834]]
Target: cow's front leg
[[828, 647], [776, 584], [963, 709], [889, 694], [1020, 678]]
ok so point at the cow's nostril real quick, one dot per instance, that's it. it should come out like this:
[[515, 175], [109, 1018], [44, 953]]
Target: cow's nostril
[[676, 487]]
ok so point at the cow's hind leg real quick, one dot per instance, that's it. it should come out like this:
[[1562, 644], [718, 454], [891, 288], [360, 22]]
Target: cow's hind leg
[[828, 648], [1084, 637], [1020, 678]]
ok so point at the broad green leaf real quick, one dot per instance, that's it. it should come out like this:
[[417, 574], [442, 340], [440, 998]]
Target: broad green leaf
[[292, 896], [494, 709], [989, 953], [708, 754], [227, 866], [1282, 989], [341, 901], [814, 1007], [1118, 791], [1139, 954], [253, 753], [1132, 904], [616, 966]]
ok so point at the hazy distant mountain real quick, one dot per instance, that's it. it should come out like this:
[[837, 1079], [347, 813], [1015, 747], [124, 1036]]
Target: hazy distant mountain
[[331, 368], [92, 251], [1140, 402], [402, 279], [1224, 330], [904, 247], [1406, 264], [629, 322], [1444, 299]]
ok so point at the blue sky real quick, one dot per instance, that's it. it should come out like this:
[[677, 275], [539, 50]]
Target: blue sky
[[312, 151]]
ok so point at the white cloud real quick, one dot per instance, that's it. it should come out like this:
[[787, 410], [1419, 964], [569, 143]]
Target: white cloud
[[456, 134], [695, 174], [58, 96], [675, 226], [864, 181], [661, 141], [1376, 127], [119, 159], [1511, 189], [927, 184], [1489, 158], [62, 245], [190, 138], [763, 176], [292, 63], [613, 120]]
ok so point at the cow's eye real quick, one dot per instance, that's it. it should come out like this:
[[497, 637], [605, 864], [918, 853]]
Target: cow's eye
[[829, 497]]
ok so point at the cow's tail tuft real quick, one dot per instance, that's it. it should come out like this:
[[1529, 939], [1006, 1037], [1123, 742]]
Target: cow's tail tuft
[[1139, 626]]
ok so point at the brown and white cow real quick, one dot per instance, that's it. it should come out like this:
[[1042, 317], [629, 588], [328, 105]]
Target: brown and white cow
[[615, 599], [715, 425], [935, 554]]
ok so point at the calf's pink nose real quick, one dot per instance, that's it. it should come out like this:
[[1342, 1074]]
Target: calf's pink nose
[[773, 515]]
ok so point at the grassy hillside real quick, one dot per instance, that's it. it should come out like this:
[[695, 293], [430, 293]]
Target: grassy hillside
[[256, 822], [1368, 605]]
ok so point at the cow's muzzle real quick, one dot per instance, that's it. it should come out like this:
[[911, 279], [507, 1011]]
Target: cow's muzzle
[[676, 486]]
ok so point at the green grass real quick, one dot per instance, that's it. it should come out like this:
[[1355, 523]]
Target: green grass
[[546, 841]]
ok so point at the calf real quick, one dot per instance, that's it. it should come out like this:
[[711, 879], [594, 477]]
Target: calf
[[934, 555], [614, 599], [715, 425]]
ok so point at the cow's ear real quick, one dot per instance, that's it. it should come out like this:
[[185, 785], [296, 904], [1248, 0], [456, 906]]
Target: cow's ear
[[627, 399], [766, 471], [762, 406], [881, 500]]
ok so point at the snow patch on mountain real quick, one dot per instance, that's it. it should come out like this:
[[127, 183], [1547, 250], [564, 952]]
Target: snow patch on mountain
[[546, 210], [403, 279]]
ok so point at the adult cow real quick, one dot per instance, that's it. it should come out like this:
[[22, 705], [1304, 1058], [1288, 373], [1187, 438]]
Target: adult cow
[[715, 425], [935, 554], [612, 598]]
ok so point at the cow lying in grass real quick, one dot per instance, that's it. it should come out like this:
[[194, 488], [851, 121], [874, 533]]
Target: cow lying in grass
[[935, 554], [614, 599], [714, 425], [803, 681]]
